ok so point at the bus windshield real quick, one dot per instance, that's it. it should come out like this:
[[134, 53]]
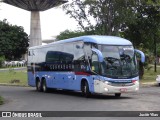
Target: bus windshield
[[119, 61]]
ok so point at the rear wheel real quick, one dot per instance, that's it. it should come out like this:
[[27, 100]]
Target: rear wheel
[[85, 90], [117, 94], [159, 84], [38, 86]]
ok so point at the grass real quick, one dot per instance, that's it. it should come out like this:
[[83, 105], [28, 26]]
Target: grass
[[14, 77], [1, 100], [150, 75]]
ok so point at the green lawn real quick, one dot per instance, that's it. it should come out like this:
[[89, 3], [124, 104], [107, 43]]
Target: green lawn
[[150, 75], [14, 77], [1, 100]]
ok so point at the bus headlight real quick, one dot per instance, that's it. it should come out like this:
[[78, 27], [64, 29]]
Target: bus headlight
[[106, 82], [106, 89]]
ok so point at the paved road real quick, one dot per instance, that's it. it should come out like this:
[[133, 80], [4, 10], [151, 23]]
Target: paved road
[[28, 99]]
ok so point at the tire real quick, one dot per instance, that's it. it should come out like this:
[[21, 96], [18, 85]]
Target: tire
[[38, 86], [117, 95], [159, 84], [44, 86], [85, 90]]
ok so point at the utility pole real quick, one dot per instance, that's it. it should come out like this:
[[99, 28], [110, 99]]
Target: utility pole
[[155, 54]]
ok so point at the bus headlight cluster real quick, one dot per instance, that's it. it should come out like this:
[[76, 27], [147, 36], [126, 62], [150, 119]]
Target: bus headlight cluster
[[106, 82], [106, 89]]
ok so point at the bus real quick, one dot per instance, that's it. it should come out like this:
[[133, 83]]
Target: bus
[[90, 64]]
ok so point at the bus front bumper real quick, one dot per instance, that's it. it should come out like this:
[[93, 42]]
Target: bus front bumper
[[112, 88]]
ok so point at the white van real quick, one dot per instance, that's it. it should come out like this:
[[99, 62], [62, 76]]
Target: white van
[[158, 79]]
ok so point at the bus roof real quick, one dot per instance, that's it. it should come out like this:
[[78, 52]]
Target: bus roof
[[98, 39]]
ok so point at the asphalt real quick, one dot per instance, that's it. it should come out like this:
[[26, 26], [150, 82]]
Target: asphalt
[[28, 99]]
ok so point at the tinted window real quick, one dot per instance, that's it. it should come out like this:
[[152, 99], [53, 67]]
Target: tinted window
[[66, 57], [52, 56]]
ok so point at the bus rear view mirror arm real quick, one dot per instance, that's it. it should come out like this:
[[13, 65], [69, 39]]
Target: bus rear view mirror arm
[[142, 55], [99, 53]]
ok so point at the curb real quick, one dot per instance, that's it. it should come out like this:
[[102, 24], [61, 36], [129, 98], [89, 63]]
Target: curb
[[7, 69], [7, 84]]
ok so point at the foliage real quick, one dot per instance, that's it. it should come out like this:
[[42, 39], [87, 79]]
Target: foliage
[[2, 59], [158, 50], [105, 17], [13, 41], [69, 34], [137, 20], [149, 74], [146, 28]]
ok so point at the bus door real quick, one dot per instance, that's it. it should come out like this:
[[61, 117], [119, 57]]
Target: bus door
[[31, 68], [95, 68]]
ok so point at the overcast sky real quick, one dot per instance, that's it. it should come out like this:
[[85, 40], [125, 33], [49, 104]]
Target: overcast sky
[[53, 21]]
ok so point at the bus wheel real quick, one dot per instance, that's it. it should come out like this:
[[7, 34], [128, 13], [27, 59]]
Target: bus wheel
[[44, 86], [117, 94], [38, 86], [85, 90]]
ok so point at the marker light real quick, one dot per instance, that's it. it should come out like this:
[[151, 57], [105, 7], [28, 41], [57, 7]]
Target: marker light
[[134, 81]]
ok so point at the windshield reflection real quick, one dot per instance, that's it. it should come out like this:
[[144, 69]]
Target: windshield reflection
[[119, 61]]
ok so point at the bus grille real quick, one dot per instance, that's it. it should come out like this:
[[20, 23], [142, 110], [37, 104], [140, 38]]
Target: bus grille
[[121, 84]]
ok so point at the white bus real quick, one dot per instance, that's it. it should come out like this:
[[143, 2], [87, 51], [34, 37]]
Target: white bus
[[91, 64]]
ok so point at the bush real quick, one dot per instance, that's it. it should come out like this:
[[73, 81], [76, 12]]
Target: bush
[[2, 59]]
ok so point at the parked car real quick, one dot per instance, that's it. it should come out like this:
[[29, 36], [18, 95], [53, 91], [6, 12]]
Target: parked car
[[158, 79]]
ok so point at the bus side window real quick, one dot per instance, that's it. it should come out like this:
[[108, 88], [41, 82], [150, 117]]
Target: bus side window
[[95, 63], [52, 57]]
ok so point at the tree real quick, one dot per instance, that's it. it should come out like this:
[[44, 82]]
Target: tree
[[136, 20], [69, 34], [13, 41], [105, 17], [2, 59], [146, 27]]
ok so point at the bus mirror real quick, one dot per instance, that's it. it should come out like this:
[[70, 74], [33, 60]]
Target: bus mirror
[[142, 55], [99, 53]]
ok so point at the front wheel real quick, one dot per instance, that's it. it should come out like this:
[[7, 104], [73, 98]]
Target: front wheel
[[85, 90], [44, 86]]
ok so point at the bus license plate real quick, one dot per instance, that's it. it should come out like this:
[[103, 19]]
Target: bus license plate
[[123, 90]]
